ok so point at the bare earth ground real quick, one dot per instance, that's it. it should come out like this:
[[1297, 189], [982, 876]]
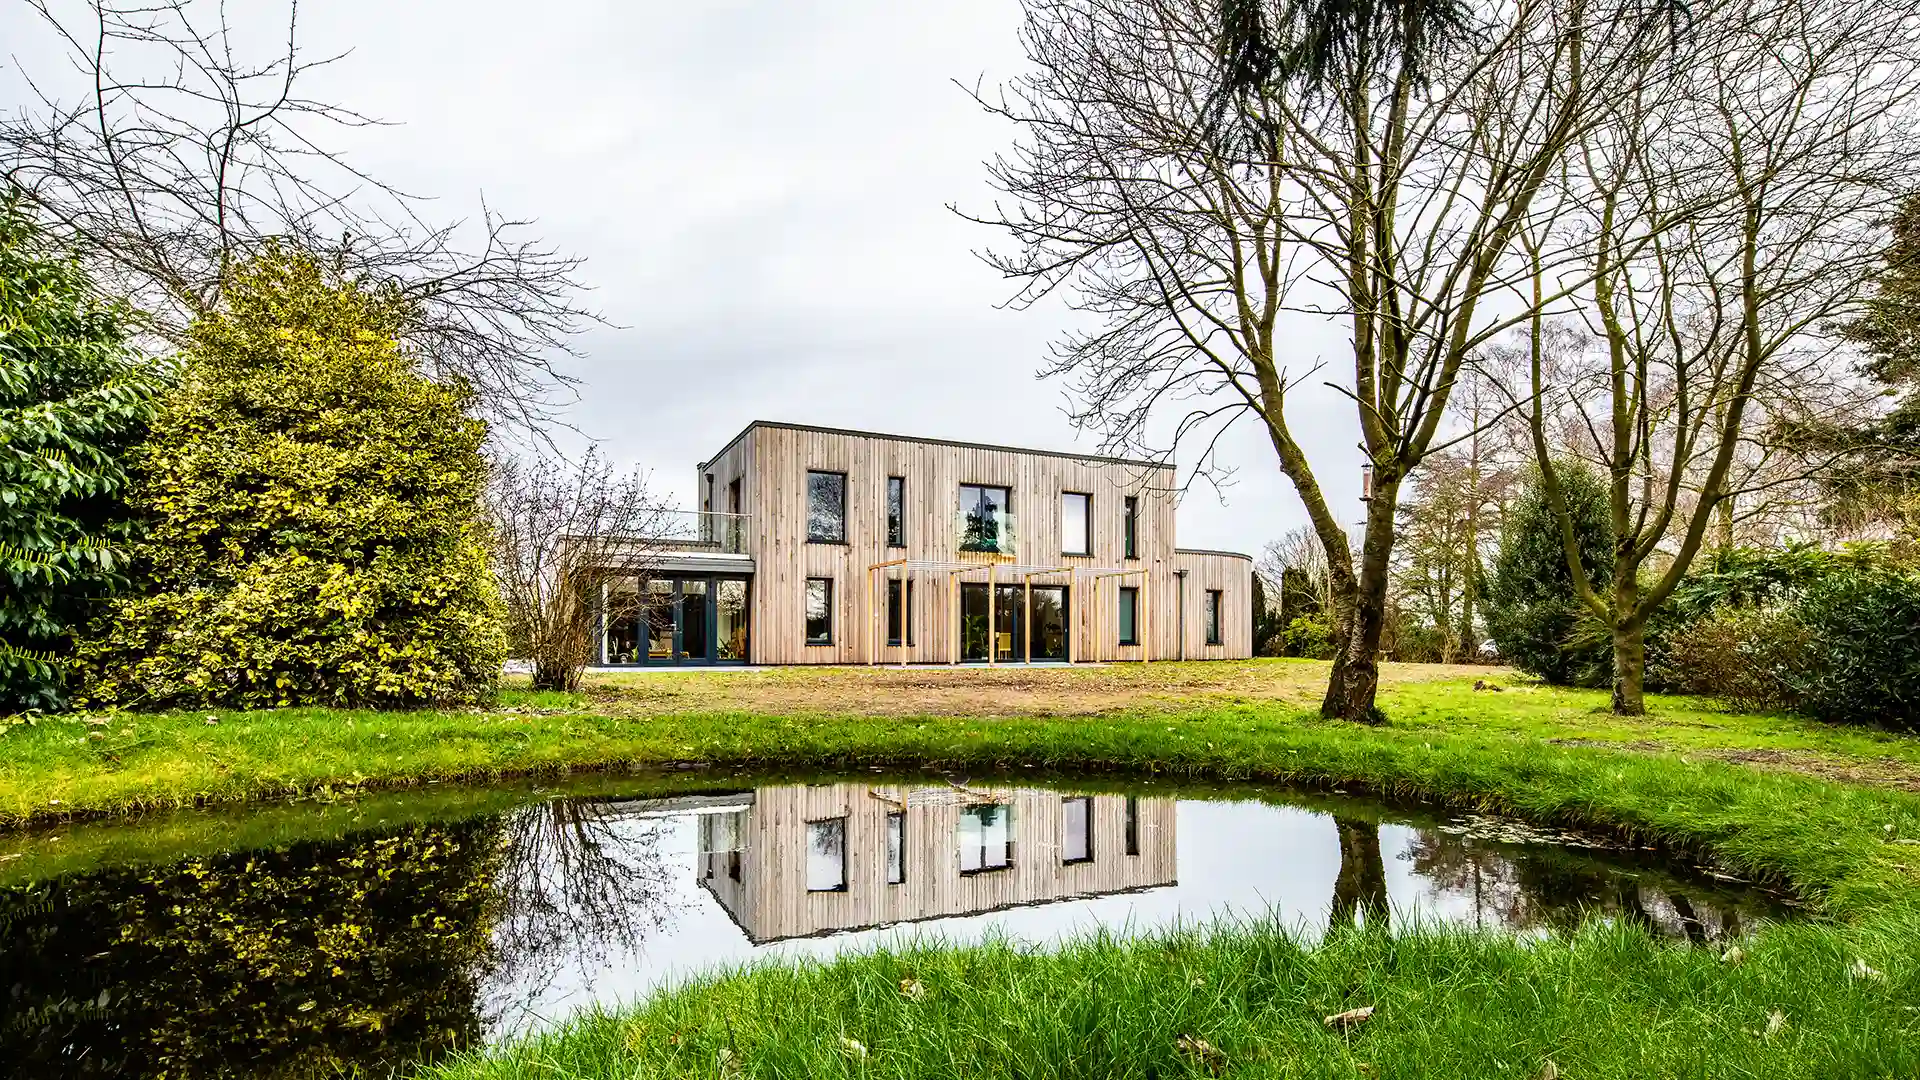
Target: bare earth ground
[[989, 692]]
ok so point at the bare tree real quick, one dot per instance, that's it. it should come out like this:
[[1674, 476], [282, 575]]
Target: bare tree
[[1391, 196], [578, 885], [1732, 221], [561, 532], [163, 148]]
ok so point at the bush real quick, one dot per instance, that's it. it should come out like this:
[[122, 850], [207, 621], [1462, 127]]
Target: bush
[[73, 400], [1749, 657], [1532, 614], [315, 532], [1862, 647], [1309, 636]]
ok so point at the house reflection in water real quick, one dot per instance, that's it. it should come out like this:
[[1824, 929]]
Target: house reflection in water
[[821, 858]]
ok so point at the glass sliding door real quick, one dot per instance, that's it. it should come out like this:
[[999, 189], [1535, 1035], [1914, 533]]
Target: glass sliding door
[[693, 622], [973, 621], [730, 619], [621, 600], [1049, 622], [1007, 635], [659, 609]]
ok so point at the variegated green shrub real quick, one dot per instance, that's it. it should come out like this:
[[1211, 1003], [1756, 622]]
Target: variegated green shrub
[[314, 525]]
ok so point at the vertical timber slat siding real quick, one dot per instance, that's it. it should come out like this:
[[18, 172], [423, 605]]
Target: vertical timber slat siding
[[773, 462]]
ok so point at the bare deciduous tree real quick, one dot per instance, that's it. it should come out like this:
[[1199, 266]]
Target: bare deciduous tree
[[1731, 220], [1390, 194], [560, 531], [163, 147]]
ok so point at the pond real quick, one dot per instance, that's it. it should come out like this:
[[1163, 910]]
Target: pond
[[309, 940]]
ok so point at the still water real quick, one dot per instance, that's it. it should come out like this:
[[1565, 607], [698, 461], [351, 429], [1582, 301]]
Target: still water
[[362, 946]]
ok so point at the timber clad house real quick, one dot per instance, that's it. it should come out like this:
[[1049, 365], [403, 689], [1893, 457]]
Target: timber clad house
[[821, 546]]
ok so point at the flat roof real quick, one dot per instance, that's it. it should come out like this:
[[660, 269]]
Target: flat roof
[[1133, 462], [1213, 551]]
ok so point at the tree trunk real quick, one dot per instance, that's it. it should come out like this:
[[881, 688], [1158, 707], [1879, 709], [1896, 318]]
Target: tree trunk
[[549, 674], [1355, 679], [1629, 668]]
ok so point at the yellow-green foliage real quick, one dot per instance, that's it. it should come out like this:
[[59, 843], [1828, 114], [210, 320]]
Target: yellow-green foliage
[[315, 536]]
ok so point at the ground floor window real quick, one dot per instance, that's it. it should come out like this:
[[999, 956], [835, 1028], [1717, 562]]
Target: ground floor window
[[1211, 617], [819, 611], [673, 619], [1129, 615], [1132, 825]]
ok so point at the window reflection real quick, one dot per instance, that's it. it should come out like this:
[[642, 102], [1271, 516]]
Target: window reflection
[[986, 838], [986, 518], [827, 855], [826, 507]]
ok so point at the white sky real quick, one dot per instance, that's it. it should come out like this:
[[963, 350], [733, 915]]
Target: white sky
[[760, 189]]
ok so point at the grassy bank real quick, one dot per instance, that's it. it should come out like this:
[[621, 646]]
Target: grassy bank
[[1201, 718], [1758, 793], [1247, 1002]]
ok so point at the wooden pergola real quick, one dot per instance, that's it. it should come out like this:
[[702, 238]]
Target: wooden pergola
[[995, 569]]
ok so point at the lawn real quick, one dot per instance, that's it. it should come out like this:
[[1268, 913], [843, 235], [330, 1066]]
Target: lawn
[[1834, 813], [1088, 718]]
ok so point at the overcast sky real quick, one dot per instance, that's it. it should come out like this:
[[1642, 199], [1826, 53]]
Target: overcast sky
[[760, 190]]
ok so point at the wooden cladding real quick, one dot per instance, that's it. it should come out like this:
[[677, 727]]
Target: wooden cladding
[[901, 499]]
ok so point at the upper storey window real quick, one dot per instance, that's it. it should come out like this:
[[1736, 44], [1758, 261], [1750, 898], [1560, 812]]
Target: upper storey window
[[1076, 523], [896, 511], [986, 518], [827, 507]]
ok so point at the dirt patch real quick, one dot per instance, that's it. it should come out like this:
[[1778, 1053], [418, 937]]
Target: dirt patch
[[974, 691]]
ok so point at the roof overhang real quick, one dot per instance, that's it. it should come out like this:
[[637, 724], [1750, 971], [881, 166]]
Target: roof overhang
[[693, 562]]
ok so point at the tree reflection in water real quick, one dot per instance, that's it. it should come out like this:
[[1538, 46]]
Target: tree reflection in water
[[1520, 889], [1360, 889], [314, 959], [579, 883]]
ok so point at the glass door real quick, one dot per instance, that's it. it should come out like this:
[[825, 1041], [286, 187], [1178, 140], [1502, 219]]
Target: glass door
[[1009, 622], [694, 647], [1049, 622], [730, 619]]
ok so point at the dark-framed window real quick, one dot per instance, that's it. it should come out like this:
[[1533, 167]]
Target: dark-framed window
[[1130, 521], [1129, 615], [819, 611], [1132, 829], [1212, 617], [896, 511], [826, 507], [1076, 829], [986, 512], [827, 855], [893, 612], [1076, 523], [986, 837], [897, 848]]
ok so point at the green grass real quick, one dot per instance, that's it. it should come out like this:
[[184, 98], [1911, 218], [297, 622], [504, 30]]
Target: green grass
[[1609, 1003], [1606, 1003]]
